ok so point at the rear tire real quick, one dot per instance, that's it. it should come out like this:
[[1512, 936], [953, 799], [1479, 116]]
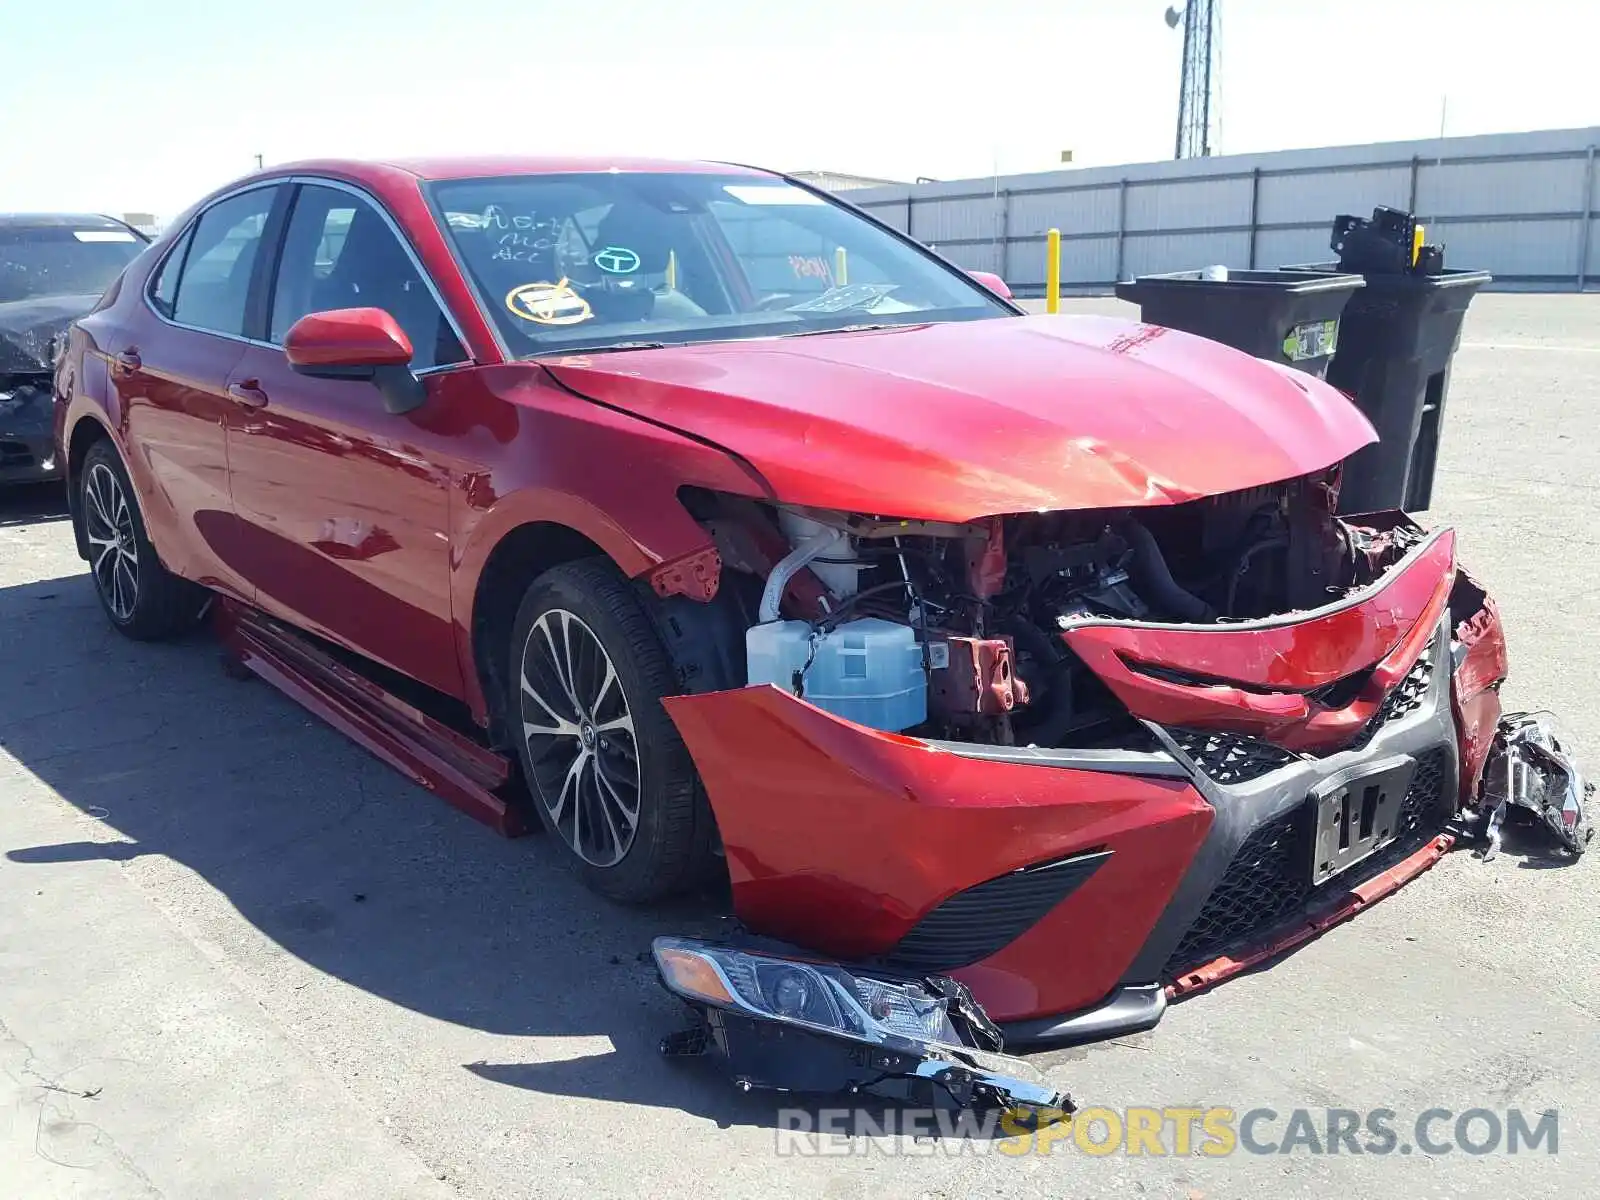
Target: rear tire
[[141, 598], [607, 772]]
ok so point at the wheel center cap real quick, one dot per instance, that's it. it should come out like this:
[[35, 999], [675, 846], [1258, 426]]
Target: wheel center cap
[[586, 735]]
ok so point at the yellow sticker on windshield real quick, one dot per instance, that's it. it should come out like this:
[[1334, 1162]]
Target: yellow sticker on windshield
[[548, 303]]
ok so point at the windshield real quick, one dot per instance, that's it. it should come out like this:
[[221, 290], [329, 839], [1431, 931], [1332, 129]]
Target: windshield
[[58, 260], [613, 260]]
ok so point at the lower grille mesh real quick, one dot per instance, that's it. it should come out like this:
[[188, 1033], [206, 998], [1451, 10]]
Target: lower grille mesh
[[1230, 757], [15, 454], [1269, 879]]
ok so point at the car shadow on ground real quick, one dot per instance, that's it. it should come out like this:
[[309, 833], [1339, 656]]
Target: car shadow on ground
[[32, 504], [341, 861]]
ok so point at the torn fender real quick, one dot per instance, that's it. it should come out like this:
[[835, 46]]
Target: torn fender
[[1479, 667], [839, 838]]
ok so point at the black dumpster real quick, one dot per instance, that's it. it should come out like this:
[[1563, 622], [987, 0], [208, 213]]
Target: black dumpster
[[1396, 340], [1289, 316]]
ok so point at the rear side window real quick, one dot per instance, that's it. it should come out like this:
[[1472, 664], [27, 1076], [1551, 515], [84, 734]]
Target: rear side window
[[339, 252], [214, 284], [164, 291]]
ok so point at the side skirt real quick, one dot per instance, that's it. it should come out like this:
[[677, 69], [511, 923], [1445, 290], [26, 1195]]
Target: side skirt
[[471, 777]]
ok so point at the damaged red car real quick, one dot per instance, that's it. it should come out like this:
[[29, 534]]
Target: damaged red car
[[724, 530]]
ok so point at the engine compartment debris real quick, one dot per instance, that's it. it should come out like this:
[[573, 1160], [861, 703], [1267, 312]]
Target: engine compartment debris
[[954, 631]]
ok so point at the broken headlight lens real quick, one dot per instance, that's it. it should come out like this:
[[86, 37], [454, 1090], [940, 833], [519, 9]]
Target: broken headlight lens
[[1532, 765], [825, 997], [798, 1024]]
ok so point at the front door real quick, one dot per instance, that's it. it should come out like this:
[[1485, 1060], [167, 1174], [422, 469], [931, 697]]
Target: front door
[[343, 506]]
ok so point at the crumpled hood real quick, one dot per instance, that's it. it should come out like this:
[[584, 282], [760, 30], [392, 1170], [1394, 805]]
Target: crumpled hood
[[29, 327], [961, 420]]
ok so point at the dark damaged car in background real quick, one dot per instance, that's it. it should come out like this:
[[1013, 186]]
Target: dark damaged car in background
[[53, 268], [1013, 670]]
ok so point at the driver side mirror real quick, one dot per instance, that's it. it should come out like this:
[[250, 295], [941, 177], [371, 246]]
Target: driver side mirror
[[993, 282], [357, 343]]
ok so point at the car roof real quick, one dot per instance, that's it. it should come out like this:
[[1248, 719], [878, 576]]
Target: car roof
[[480, 166], [58, 220]]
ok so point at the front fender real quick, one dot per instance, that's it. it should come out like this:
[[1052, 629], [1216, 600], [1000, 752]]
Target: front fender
[[567, 461]]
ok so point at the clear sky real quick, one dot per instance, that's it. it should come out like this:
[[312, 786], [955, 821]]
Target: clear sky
[[144, 105]]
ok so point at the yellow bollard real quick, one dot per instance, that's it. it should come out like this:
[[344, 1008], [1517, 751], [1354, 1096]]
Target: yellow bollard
[[841, 275], [672, 270], [1052, 272]]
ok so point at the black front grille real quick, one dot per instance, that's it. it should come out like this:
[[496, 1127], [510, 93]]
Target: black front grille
[[974, 924], [1407, 695], [1405, 698], [1229, 757], [1269, 879], [1427, 805], [15, 454]]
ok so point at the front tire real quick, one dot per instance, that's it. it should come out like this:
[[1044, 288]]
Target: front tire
[[141, 598], [608, 773]]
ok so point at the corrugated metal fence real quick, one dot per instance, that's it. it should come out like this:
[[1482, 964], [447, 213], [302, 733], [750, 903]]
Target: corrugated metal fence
[[1524, 206]]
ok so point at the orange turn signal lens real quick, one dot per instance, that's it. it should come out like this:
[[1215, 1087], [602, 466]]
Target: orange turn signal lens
[[693, 975]]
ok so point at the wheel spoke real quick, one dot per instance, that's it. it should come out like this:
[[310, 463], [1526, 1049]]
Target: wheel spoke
[[592, 798], [562, 727], [569, 680], [97, 502], [105, 559], [111, 534], [601, 787], [606, 682], [118, 604], [553, 659], [629, 815], [569, 788], [623, 724]]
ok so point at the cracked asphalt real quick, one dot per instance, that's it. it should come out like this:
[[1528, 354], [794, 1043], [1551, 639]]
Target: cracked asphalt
[[241, 958]]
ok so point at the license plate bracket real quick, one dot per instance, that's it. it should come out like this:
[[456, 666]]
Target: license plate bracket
[[1357, 814]]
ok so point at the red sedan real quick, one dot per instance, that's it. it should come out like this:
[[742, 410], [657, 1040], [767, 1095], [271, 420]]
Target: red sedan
[[727, 530]]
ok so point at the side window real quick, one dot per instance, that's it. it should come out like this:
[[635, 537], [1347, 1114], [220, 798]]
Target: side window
[[215, 281], [164, 291], [339, 252]]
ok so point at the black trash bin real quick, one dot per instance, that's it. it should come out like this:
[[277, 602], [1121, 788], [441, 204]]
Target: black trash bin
[[1396, 341], [1289, 316]]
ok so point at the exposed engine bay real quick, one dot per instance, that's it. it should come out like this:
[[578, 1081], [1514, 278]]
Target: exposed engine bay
[[977, 609]]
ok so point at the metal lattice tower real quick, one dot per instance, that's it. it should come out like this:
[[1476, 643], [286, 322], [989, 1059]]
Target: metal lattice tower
[[1199, 18]]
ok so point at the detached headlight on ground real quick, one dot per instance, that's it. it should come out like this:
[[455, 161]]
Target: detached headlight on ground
[[802, 1025], [1532, 766]]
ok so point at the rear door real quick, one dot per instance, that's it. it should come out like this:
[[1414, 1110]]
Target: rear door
[[170, 370], [343, 506]]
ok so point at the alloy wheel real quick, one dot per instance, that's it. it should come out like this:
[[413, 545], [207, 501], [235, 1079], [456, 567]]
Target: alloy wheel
[[113, 542], [580, 735]]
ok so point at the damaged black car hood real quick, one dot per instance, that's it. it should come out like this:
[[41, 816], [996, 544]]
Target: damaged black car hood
[[31, 329]]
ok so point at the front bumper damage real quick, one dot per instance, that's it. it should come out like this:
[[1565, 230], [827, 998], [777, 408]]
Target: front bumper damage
[[1077, 892], [27, 438]]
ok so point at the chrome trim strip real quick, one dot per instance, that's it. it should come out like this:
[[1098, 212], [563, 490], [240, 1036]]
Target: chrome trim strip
[[1147, 763]]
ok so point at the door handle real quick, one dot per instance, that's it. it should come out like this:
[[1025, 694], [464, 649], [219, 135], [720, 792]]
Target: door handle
[[248, 394], [129, 360]]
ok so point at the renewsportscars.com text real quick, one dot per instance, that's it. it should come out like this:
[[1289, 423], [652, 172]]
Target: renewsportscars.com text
[[1214, 1132]]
